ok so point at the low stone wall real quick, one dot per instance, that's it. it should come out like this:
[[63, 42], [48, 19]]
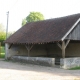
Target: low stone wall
[[68, 63], [35, 60]]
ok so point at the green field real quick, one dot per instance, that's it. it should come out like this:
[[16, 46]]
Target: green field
[[2, 52]]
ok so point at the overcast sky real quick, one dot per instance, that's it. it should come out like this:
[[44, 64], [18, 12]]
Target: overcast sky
[[19, 9]]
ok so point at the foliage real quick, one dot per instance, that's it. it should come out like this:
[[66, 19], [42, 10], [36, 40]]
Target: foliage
[[2, 33], [2, 36], [2, 43], [2, 28], [23, 22], [75, 68], [32, 17], [10, 33], [2, 52], [2, 55], [2, 49]]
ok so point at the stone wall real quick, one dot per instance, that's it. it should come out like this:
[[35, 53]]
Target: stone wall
[[68, 63], [9, 52], [35, 60]]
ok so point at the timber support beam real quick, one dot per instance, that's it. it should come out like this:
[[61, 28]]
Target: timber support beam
[[63, 47], [10, 46], [28, 47]]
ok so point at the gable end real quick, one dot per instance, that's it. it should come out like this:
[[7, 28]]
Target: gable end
[[75, 33], [64, 37]]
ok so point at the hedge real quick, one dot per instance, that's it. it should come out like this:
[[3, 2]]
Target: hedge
[[2, 42]]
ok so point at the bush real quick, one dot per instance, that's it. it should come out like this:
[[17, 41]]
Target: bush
[[2, 42], [2, 52], [2, 55], [2, 35]]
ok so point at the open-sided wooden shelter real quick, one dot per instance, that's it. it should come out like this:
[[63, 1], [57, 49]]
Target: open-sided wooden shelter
[[57, 37]]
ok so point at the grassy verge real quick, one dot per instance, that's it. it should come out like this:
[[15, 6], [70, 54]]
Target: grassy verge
[[2, 52], [2, 49], [2, 55], [75, 68]]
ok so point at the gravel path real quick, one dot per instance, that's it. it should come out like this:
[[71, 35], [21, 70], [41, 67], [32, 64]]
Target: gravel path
[[19, 71]]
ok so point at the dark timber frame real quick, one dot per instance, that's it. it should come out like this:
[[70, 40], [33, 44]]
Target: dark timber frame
[[29, 47], [63, 46]]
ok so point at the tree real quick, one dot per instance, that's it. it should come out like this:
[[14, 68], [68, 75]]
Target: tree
[[10, 33], [2, 32], [2, 36], [32, 17], [23, 22], [1, 27]]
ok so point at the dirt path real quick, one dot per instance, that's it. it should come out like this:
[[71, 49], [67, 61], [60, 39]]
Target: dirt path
[[18, 71]]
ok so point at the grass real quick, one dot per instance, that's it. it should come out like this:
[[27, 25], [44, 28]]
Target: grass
[[2, 52], [75, 68]]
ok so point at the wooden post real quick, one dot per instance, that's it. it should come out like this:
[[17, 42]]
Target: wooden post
[[29, 47], [63, 47], [28, 52]]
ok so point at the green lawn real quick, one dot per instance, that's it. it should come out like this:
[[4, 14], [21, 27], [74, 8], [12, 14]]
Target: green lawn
[[2, 52]]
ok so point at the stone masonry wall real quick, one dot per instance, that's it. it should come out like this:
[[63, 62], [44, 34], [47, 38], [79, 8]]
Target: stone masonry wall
[[35, 60], [68, 63]]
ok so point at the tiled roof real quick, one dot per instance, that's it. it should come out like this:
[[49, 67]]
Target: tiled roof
[[44, 31]]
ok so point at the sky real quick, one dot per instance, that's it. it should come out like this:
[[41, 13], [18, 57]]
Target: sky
[[19, 9]]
